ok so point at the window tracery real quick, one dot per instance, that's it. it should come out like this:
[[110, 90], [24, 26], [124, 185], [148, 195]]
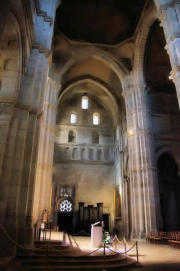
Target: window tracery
[[65, 206]]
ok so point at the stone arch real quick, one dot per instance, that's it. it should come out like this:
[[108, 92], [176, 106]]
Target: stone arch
[[92, 81], [147, 21], [100, 55], [162, 149]]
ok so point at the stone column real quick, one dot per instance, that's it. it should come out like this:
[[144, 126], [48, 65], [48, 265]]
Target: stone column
[[6, 113], [25, 193], [142, 169], [12, 174], [43, 190], [169, 15], [31, 97]]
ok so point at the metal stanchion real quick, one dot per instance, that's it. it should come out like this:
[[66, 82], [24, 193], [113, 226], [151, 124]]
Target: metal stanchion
[[104, 254], [137, 252]]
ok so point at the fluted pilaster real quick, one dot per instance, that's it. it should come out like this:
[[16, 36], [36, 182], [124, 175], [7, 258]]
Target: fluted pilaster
[[141, 166], [43, 189]]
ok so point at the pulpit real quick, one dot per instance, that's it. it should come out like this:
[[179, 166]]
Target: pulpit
[[96, 234]]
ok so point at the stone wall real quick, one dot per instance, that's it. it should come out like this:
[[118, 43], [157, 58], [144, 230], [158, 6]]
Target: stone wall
[[93, 183]]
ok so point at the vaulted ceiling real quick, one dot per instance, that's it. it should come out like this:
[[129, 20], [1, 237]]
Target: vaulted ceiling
[[98, 21]]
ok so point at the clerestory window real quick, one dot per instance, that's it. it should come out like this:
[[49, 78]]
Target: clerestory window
[[73, 118], [84, 102], [96, 118]]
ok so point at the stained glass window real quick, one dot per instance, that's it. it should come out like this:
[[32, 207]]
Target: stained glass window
[[65, 206]]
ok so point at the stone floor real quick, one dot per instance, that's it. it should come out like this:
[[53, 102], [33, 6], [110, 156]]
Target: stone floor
[[151, 257], [158, 258]]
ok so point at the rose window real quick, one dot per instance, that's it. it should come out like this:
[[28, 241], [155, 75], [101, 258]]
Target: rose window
[[65, 206]]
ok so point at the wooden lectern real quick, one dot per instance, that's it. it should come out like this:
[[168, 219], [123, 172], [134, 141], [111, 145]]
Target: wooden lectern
[[96, 235]]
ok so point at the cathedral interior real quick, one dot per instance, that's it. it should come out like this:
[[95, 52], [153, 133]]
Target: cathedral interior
[[89, 118]]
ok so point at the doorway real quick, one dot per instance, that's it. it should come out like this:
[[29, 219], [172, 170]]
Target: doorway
[[65, 221]]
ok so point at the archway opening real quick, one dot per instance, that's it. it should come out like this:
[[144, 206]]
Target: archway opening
[[157, 65], [165, 116], [169, 190], [91, 162]]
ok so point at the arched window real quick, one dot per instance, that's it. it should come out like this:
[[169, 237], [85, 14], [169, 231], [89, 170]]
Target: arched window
[[84, 102], [95, 138], [71, 137], [96, 118], [73, 118]]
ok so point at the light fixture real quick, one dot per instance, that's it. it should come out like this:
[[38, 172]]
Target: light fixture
[[130, 132]]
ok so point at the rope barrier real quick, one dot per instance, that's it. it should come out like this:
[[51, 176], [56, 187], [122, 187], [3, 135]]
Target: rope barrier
[[129, 249], [10, 238], [92, 252], [75, 241], [115, 252]]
